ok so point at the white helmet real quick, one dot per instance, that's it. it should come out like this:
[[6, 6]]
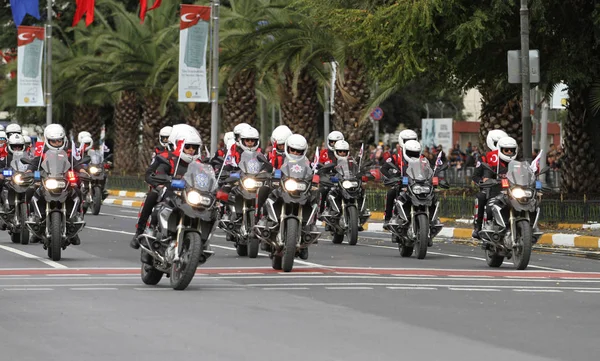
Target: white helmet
[[237, 131], [493, 137], [411, 150], [16, 144], [13, 128], [229, 139], [27, 140], [88, 141], [249, 134], [280, 135], [193, 140], [163, 136], [3, 135], [333, 137], [407, 135], [507, 144], [341, 146], [179, 132], [1, 128], [55, 132], [83, 134], [298, 143]]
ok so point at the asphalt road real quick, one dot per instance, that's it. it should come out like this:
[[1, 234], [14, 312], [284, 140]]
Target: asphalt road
[[343, 303]]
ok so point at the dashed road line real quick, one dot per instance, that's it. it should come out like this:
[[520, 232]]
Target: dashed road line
[[50, 263]]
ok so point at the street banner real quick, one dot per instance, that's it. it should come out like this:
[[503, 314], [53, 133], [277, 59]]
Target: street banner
[[436, 132], [193, 40], [30, 55]]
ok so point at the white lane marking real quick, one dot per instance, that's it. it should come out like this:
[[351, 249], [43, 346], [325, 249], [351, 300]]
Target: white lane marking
[[109, 230], [477, 276], [67, 275], [357, 273], [151, 289], [473, 289], [587, 291], [266, 255], [348, 288], [536, 290], [28, 289], [412, 288], [450, 255], [241, 274], [128, 211], [377, 284], [118, 215], [94, 289], [284, 288], [32, 256]]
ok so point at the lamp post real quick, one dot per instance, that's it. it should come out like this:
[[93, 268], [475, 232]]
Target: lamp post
[[49, 63], [214, 113], [525, 109]]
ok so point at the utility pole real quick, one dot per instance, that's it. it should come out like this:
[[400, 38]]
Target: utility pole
[[525, 109], [326, 113], [49, 63], [214, 113]]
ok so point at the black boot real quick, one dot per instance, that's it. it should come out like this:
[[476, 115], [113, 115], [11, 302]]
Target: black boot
[[135, 244], [476, 229]]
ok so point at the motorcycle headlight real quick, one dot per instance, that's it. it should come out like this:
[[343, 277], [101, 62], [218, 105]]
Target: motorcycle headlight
[[349, 184], [521, 193], [417, 189], [18, 179], [250, 183], [292, 185], [194, 198], [54, 184], [94, 170]]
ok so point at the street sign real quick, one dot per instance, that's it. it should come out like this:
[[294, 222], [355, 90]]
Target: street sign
[[514, 66], [377, 113]]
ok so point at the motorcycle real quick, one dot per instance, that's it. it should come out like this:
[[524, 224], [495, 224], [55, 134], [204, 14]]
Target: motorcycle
[[415, 231], [185, 222], [285, 236], [92, 184], [18, 182], [239, 214], [342, 213], [509, 234], [59, 184]]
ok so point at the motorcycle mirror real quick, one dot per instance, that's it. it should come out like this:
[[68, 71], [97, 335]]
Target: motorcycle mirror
[[178, 184], [316, 179], [277, 174], [405, 180], [36, 175], [334, 179], [538, 185]]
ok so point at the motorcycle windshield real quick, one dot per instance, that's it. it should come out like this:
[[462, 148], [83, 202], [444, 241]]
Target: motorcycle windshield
[[520, 174], [347, 169], [299, 169], [17, 165], [56, 163], [419, 171], [249, 163], [201, 176], [97, 157]]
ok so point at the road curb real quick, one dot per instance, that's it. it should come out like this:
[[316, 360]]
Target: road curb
[[129, 194], [124, 203]]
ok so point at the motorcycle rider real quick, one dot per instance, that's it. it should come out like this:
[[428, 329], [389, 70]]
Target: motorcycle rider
[[326, 157], [341, 152], [3, 144], [163, 140], [27, 140], [166, 165], [491, 158], [13, 128], [15, 148], [55, 138], [399, 161]]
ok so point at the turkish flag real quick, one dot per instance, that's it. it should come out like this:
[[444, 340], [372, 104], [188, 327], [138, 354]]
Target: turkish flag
[[84, 7], [39, 149], [492, 158], [144, 5]]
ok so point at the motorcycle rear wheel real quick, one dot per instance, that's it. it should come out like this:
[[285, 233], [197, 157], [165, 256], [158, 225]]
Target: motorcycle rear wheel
[[24, 235], [150, 275]]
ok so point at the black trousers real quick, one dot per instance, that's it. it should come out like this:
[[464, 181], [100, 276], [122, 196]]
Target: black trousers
[[149, 203]]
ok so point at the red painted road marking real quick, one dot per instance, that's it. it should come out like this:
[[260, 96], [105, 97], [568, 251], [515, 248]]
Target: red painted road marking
[[324, 270]]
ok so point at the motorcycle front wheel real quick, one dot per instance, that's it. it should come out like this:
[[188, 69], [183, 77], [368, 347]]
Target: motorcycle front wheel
[[523, 244], [183, 271]]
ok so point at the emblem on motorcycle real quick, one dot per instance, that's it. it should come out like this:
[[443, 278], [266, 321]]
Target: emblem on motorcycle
[[201, 180], [253, 166], [296, 168]]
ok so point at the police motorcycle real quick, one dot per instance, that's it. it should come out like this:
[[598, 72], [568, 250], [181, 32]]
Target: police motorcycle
[[239, 211], [58, 186], [285, 235], [92, 184], [17, 184], [341, 214], [178, 241], [415, 231], [515, 214]]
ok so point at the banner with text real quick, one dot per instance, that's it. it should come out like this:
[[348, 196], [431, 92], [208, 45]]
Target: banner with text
[[436, 132], [193, 39], [30, 55]]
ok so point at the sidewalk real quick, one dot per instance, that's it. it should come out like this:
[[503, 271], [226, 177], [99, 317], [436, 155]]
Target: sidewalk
[[375, 224]]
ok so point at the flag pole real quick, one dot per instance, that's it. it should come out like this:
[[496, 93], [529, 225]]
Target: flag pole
[[49, 63], [214, 125]]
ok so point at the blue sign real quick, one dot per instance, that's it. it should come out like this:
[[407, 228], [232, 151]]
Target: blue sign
[[377, 113]]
